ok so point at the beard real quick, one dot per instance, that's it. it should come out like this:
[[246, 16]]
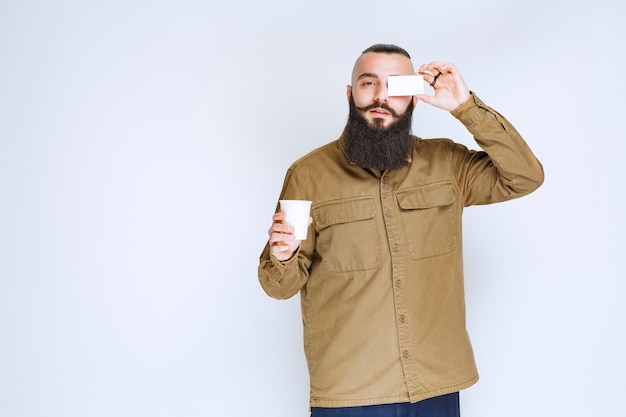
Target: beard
[[374, 145]]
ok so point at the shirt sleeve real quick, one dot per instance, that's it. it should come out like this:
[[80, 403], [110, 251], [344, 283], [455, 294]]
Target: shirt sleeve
[[504, 169], [284, 279]]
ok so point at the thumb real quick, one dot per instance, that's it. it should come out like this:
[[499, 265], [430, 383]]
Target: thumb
[[426, 99]]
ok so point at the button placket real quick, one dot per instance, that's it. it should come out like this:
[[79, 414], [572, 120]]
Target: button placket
[[399, 293]]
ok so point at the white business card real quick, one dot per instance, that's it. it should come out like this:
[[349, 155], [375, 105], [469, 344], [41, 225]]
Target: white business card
[[405, 85]]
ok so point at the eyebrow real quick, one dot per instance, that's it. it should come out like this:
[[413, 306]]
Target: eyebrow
[[367, 75]]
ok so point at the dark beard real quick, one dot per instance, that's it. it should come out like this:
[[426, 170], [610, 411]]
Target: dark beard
[[376, 146]]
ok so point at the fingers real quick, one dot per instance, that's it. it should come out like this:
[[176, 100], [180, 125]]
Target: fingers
[[434, 70], [437, 67], [281, 238], [280, 230]]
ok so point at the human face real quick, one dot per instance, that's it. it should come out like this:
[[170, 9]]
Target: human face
[[369, 86]]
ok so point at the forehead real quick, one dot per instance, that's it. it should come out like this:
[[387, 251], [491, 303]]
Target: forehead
[[382, 65]]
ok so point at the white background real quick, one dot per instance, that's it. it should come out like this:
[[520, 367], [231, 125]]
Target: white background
[[142, 149]]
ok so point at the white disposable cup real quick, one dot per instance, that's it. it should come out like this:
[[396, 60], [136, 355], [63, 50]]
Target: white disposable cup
[[298, 213]]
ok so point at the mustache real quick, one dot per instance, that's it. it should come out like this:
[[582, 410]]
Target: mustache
[[378, 105]]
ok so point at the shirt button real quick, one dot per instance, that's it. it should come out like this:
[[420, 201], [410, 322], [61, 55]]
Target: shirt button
[[396, 247], [398, 283], [388, 212], [405, 354], [403, 319]]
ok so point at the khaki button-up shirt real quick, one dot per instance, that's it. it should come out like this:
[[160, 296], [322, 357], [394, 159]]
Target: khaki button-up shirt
[[381, 275]]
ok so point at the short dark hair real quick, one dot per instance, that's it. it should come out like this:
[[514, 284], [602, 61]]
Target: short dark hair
[[387, 48]]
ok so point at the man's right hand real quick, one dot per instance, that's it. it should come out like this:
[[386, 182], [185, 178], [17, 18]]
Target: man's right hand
[[282, 239]]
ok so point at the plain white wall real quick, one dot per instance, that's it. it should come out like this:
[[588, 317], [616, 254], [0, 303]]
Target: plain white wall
[[142, 148]]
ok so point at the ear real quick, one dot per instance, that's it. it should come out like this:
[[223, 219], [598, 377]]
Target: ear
[[415, 100], [348, 92]]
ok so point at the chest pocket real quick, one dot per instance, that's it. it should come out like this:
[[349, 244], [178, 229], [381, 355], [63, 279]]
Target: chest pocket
[[429, 218], [348, 238]]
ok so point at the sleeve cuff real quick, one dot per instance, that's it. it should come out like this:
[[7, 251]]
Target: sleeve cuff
[[279, 267], [470, 112]]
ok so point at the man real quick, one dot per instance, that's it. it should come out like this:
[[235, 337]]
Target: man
[[381, 273]]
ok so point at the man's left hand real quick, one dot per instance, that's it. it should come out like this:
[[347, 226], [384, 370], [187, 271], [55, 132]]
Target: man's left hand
[[450, 88]]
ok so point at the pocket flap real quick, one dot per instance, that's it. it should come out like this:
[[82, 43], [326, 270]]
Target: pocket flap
[[426, 196], [343, 210]]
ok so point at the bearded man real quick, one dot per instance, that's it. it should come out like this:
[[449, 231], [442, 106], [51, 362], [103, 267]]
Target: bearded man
[[380, 275]]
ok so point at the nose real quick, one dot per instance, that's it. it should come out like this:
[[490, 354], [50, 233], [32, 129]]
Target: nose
[[382, 94]]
